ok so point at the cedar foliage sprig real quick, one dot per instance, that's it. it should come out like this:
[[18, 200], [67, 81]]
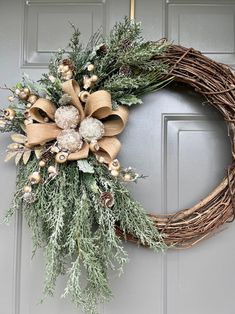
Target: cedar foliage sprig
[[67, 218], [76, 231], [124, 48]]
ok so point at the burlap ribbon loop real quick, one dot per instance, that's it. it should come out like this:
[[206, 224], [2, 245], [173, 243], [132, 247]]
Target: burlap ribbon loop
[[98, 105], [72, 88], [41, 133], [109, 148], [41, 108], [118, 123]]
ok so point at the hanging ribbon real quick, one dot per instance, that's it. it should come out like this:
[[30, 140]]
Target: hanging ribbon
[[98, 106]]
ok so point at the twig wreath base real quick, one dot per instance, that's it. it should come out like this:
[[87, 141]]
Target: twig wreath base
[[216, 82]]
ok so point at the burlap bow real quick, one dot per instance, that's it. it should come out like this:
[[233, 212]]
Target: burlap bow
[[98, 105]]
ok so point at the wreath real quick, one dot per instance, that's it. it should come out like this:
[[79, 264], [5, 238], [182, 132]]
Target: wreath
[[71, 188]]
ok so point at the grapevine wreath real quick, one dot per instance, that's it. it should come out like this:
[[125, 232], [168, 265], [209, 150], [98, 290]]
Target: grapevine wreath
[[71, 187]]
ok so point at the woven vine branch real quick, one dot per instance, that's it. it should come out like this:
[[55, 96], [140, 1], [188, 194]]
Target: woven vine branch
[[216, 82]]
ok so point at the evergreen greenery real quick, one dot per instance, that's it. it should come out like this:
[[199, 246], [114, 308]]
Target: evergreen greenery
[[77, 232], [68, 218], [124, 63]]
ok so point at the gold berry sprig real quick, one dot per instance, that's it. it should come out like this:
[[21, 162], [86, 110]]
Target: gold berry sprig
[[126, 174]]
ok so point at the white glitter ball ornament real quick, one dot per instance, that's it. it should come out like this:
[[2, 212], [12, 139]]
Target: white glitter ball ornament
[[69, 140], [67, 117], [91, 129]]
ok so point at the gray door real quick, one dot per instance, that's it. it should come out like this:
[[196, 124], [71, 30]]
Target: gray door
[[175, 138]]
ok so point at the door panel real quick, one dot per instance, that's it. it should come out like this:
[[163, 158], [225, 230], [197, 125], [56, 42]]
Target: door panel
[[185, 151], [205, 25], [9, 235], [175, 138], [50, 21]]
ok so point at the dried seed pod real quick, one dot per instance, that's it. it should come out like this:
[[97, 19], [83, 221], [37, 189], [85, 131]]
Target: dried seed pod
[[26, 113], [127, 177], [101, 159], [61, 157], [90, 67], [114, 165], [65, 68], [94, 147], [23, 96], [11, 98], [54, 149], [9, 114], [27, 189], [35, 177], [52, 170], [94, 78], [42, 163], [28, 121], [115, 173], [32, 99], [68, 75], [86, 82], [84, 96], [26, 90], [68, 62], [60, 68]]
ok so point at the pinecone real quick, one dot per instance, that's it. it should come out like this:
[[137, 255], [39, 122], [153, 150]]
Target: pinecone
[[125, 44], [102, 51], [125, 70], [47, 155], [69, 63], [106, 199]]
